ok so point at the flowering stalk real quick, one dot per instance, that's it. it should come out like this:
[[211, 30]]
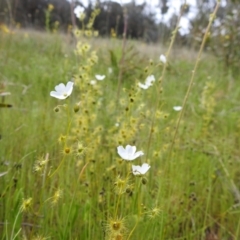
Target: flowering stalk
[[47, 17], [139, 209], [123, 53], [164, 60], [14, 225], [62, 161], [211, 18]]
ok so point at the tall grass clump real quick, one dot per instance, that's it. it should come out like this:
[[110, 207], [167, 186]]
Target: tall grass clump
[[124, 147]]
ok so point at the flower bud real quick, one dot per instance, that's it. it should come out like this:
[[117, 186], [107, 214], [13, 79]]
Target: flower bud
[[56, 109], [76, 108], [144, 181]]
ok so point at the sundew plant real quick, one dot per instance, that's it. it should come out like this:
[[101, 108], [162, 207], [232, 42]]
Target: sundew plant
[[91, 150]]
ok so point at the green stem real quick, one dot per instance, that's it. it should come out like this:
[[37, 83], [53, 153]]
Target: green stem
[[14, 224], [68, 129], [174, 34], [193, 75], [130, 234]]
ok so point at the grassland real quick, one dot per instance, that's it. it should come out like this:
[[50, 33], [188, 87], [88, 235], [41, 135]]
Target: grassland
[[60, 174]]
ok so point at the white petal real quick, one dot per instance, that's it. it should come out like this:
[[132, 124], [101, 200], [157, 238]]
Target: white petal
[[150, 80], [177, 108], [121, 152], [69, 88], [129, 153], [69, 84], [145, 168], [143, 86], [140, 170], [99, 77], [60, 87], [78, 10], [163, 58], [138, 154], [130, 150], [57, 95], [62, 91], [135, 170]]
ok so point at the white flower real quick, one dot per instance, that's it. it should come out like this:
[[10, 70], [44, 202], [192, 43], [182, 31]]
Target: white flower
[[143, 86], [100, 77], [78, 11], [140, 170], [93, 82], [162, 58], [148, 82], [177, 108], [62, 91], [129, 153]]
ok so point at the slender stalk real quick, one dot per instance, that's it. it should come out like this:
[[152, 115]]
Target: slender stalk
[[118, 199], [20, 229], [14, 224], [131, 233], [238, 227], [193, 75], [174, 34], [45, 170], [68, 130], [123, 54], [233, 185], [74, 195]]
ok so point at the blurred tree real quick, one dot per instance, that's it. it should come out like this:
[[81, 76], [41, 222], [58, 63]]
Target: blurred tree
[[32, 12], [110, 18], [225, 38], [140, 23], [163, 4]]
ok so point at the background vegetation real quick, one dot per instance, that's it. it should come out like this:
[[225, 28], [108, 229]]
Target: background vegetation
[[60, 174]]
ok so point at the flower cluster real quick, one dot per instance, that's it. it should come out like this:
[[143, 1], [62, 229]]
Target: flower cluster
[[129, 153]]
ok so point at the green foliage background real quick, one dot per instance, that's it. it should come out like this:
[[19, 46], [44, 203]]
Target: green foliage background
[[195, 185]]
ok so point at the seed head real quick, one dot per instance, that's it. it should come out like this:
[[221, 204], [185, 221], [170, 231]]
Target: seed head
[[26, 205], [57, 195], [115, 229], [39, 237], [40, 165], [154, 212], [120, 185], [62, 139], [67, 150]]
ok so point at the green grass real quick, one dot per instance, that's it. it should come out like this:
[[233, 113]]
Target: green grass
[[193, 186]]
